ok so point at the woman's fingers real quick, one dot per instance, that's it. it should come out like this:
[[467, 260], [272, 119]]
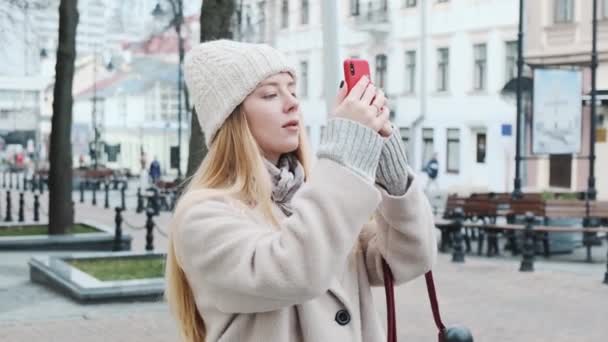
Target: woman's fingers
[[380, 99], [386, 130], [357, 92], [382, 119], [369, 94]]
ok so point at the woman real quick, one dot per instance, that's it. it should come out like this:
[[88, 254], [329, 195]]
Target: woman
[[266, 246]]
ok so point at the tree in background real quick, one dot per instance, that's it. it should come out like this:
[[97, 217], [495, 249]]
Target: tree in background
[[61, 214], [215, 23]]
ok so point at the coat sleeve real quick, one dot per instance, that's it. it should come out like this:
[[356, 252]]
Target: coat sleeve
[[239, 266], [403, 233]]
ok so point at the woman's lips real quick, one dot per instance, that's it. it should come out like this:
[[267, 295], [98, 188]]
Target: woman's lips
[[292, 125]]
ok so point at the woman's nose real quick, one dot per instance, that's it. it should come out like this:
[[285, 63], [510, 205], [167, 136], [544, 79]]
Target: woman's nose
[[291, 103]]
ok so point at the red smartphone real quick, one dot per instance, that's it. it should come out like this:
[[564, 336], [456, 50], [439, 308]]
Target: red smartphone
[[354, 69]]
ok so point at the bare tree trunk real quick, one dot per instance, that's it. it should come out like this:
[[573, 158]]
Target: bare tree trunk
[[215, 24], [61, 215]]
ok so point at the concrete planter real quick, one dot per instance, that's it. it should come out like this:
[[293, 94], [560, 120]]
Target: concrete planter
[[55, 272], [102, 240]]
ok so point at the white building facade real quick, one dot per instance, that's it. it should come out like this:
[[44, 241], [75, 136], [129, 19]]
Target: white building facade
[[443, 67]]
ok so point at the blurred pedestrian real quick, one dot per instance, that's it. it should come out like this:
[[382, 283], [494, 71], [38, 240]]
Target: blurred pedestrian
[[155, 171], [432, 171]]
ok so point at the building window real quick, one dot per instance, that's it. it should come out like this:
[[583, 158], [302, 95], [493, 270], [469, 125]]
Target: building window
[[304, 79], [481, 148], [410, 3], [443, 64], [305, 11], [168, 103], [354, 7], [381, 71], [410, 71], [384, 6], [284, 13], [511, 60], [405, 138], [428, 145], [479, 74], [453, 151], [563, 11], [440, 1], [322, 132], [605, 9]]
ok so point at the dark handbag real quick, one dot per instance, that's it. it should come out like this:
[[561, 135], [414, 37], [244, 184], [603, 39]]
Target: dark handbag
[[450, 334]]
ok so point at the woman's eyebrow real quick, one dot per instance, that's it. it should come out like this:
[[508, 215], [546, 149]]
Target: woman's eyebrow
[[277, 84]]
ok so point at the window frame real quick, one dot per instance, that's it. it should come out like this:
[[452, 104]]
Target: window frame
[[478, 152], [443, 69], [410, 71], [284, 14], [381, 70], [426, 138], [510, 73], [304, 12], [449, 140], [563, 18], [480, 67]]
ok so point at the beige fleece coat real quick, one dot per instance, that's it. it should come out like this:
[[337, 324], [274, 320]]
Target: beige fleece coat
[[310, 280]]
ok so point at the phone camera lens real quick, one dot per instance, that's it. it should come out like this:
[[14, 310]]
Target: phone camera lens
[[352, 69]]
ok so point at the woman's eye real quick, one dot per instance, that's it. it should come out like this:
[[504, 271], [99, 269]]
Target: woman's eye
[[269, 96], [294, 95]]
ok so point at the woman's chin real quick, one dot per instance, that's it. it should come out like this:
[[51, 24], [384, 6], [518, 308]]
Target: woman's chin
[[289, 147]]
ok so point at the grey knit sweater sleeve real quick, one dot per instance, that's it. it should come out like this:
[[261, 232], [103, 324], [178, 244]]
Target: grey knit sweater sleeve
[[392, 172], [353, 145]]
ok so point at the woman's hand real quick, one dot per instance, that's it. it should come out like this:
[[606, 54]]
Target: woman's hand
[[380, 102], [364, 104]]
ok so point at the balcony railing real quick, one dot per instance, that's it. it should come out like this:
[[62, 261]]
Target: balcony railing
[[372, 16]]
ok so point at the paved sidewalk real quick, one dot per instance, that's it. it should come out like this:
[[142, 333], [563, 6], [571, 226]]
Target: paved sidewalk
[[559, 302]]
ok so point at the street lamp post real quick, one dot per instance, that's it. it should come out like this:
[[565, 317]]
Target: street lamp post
[[96, 136], [177, 20], [520, 63], [94, 114], [591, 191]]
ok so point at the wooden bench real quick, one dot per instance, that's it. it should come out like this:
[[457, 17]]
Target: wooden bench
[[565, 209], [541, 232], [599, 209], [452, 203], [487, 206]]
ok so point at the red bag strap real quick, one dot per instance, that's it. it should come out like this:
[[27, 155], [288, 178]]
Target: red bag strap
[[389, 289]]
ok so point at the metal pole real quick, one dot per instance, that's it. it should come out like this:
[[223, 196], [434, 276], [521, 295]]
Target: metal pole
[[178, 27], [591, 191], [94, 114], [331, 53], [520, 63]]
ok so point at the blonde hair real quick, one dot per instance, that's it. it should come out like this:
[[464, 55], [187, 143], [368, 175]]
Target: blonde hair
[[233, 166]]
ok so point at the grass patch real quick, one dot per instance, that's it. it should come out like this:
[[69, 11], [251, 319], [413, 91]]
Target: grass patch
[[42, 230], [546, 195], [130, 268]]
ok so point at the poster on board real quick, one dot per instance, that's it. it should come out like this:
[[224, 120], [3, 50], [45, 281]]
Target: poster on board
[[557, 111]]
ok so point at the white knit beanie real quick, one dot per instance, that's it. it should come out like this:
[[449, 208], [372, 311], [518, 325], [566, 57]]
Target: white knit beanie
[[221, 73]]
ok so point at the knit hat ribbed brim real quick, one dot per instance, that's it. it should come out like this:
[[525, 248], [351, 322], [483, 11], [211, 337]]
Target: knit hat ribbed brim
[[220, 74]]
